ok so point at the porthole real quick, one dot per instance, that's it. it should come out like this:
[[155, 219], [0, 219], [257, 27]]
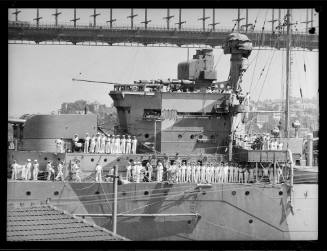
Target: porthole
[[204, 193], [189, 222], [97, 192], [92, 160], [28, 193], [146, 192], [192, 136], [146, 135], [250, 221], [123, 193], [280, 193], [45, 158], [247, 193], [55, 193], [58, 159], [234, 192], [105, 160], [180, 136]]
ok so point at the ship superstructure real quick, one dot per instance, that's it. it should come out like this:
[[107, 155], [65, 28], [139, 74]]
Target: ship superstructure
[[196, 118]]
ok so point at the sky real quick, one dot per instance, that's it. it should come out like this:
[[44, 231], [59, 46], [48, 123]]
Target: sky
[[40, 76]]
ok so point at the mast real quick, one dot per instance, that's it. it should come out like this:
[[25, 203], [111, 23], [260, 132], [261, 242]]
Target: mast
[[288, 69]]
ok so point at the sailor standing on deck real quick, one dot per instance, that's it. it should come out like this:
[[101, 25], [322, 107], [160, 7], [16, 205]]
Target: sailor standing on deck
[[134, 144], [98, 174], [14, 167], [188, 172], [60, 174], [50, 170], [123, 145], [231, 174], [118, 144], [98, 143], [86, 143], [183, 174], [203, 173], [35, 169], [226, 169], [107, 148], [193, 167], [92, 145], [207, 173], [197, 173], [28, 170], [128, 171], [103, 143], [112, 144], [128, 144], [159, 171], [134, 166], [150, 171]]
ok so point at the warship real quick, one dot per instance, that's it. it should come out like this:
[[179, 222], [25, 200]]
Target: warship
[[194, 119]]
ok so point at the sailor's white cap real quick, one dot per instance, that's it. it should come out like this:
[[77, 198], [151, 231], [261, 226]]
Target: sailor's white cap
[[35, 160], [28, 159]]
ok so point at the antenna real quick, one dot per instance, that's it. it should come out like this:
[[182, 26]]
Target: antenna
[[56, 14], [203, 18], [37, 19], [95, 14], [75, 19], [111, 20], [132, 16], [146, 21], [238, 20], [288, 48], [272, 21], [213, 19], [16, 14], [180, 20], [168, 17]]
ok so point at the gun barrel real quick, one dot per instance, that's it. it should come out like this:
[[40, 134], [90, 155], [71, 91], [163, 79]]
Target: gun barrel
[[94, 81]]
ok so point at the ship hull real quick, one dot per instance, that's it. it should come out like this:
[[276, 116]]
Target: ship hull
[[185, 211]]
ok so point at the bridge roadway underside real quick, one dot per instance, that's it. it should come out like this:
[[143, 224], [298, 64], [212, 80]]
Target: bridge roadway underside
[[57, 34]]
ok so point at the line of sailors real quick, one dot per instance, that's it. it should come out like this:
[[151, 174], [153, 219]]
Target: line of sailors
[[30, 171], [113, 144], [197, 173]]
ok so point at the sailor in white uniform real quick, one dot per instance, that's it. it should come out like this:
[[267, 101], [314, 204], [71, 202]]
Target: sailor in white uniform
[[112, 144], [98, 173], [231, 173], [271, 174], [149, 170], [50, 170], [134, 145], [183, 173], [92, 145], [103, 144], [159, 171], [118, 144], [128, 144], [60, 174], [225, 178], [86, 143], [134, 171], [197, 173], [107, 148], [98, 143], [193, 168], [207, 171], [35, 169], [128, 171], [203, 173], [188, 172], [246, 175], [77, 172], [28, 170], [14, 170], [123, 145]]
